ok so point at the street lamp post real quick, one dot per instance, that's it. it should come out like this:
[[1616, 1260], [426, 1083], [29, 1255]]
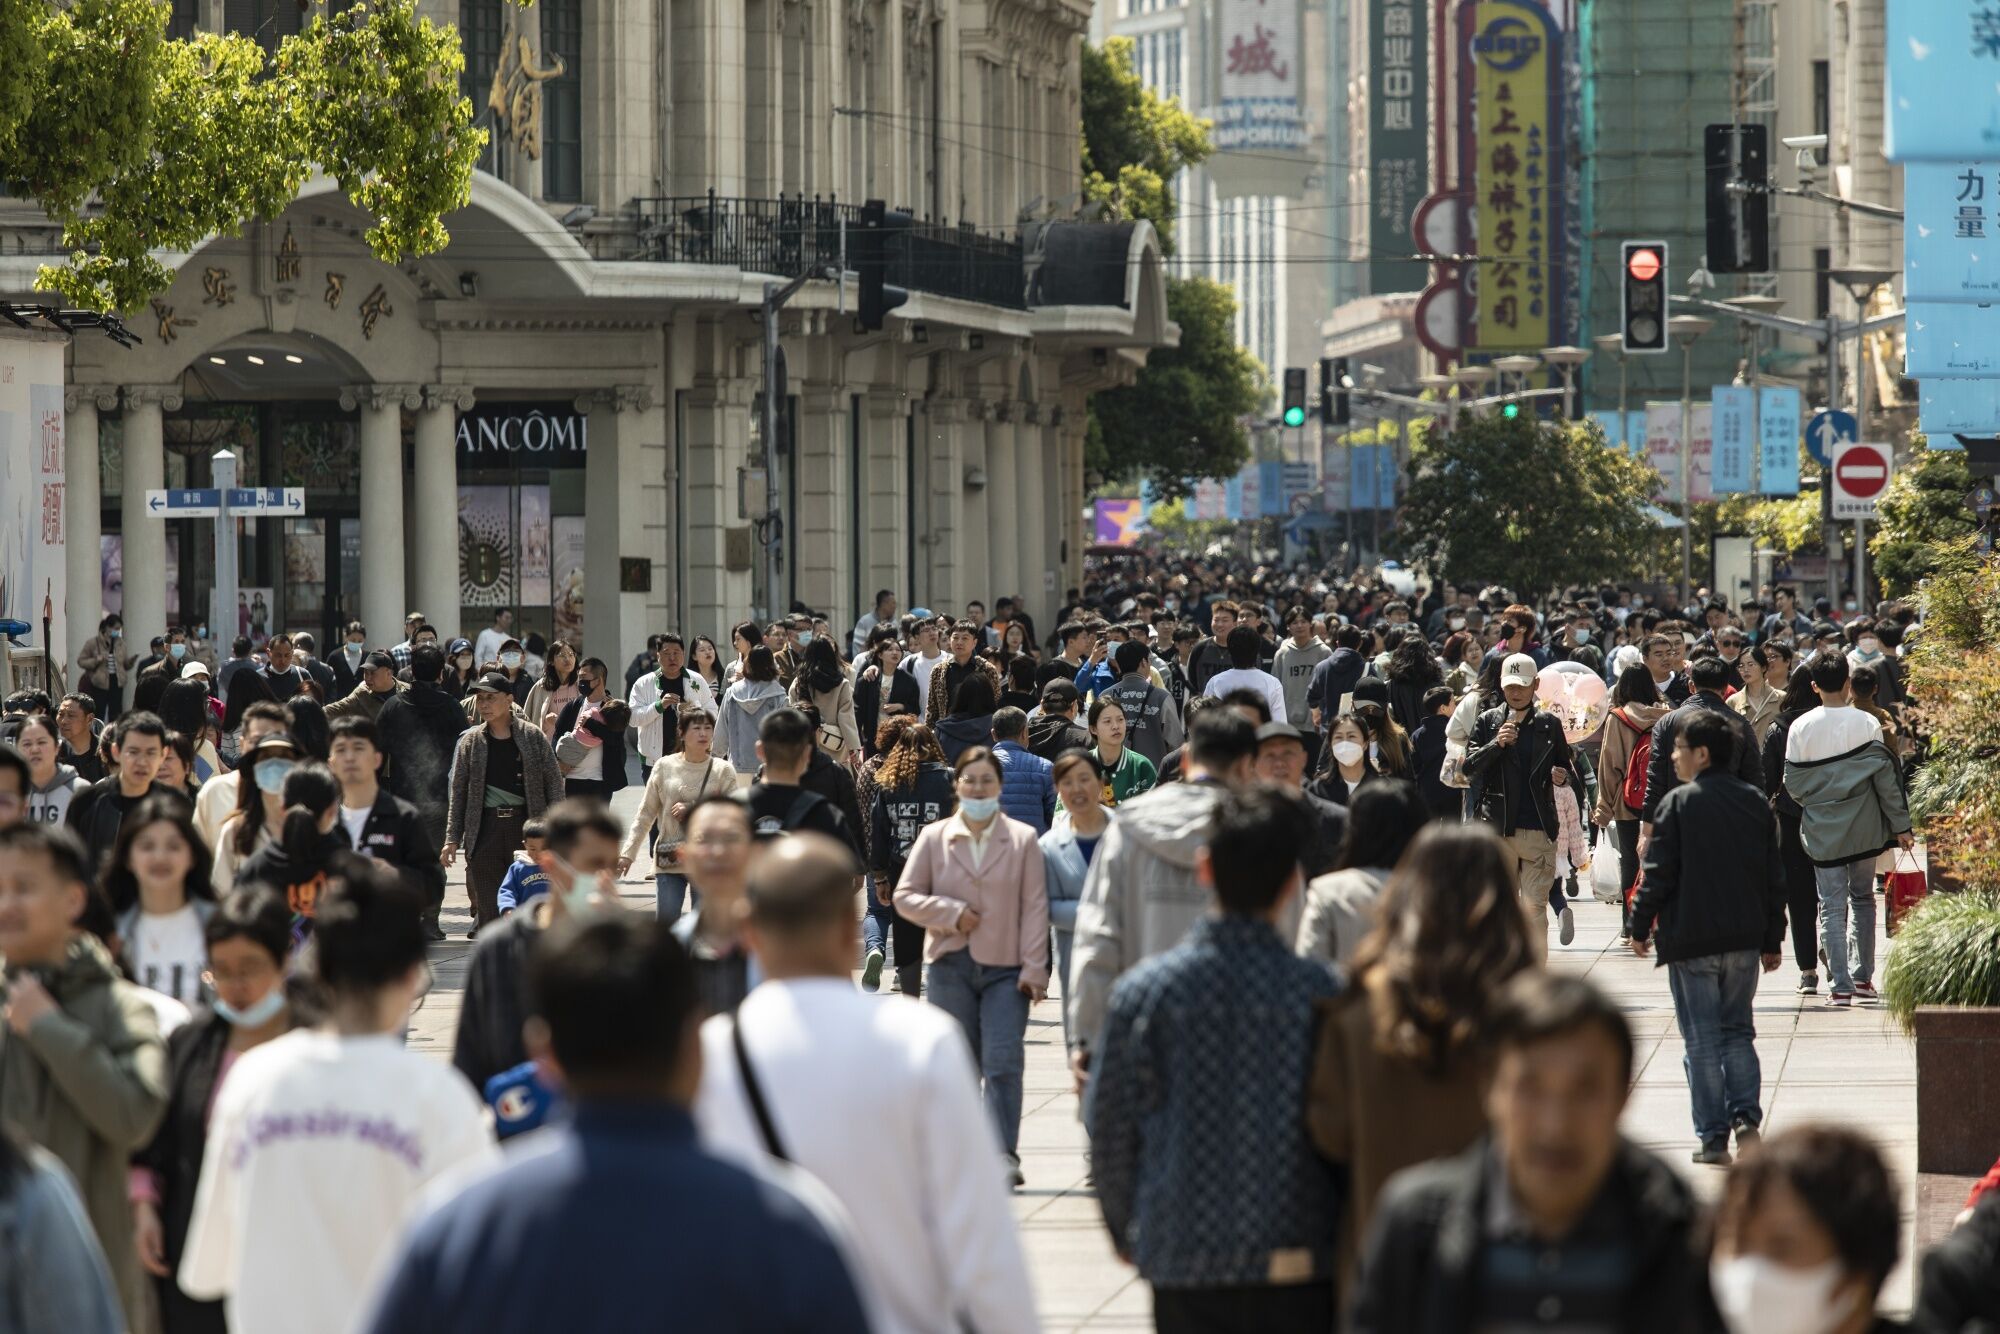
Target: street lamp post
[[1566, 360], [1520, 366], [1470, 378], [1685, 329], [1861, 285], [1615, 345]]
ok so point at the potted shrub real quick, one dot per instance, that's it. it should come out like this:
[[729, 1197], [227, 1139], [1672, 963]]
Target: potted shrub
[[1954, 703], [1942, 984]]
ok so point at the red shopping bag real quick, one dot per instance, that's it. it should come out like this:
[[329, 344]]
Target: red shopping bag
[[1903, 888]]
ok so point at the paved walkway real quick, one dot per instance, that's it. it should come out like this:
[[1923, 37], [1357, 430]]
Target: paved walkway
[[1819, 1064]]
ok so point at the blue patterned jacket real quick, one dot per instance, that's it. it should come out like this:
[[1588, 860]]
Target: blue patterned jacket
[[1196, 1110]]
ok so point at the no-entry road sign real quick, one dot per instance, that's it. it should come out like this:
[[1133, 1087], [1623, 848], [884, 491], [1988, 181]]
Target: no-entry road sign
[[1861, 473]]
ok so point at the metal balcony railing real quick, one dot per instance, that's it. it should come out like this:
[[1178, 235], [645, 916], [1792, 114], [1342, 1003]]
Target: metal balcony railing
[[789, 237]]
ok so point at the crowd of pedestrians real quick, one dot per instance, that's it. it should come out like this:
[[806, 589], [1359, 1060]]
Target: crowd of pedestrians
[[1289, 852]]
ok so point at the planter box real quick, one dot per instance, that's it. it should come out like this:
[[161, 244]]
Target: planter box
[[1958, 1088]]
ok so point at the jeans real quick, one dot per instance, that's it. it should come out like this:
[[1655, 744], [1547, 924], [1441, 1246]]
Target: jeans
[[1063, 941], [1712, 1008], [994, 1014], [1842, 888], [885, 929], [1534, 871], [1801, 894], [671, 889]]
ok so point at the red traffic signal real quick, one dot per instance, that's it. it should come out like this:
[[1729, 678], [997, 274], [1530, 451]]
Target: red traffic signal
[[1643, 264]]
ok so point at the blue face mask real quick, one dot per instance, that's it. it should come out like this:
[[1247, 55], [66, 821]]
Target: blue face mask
[[177, 650], [260, 1012], [979, 808], [270, 774]]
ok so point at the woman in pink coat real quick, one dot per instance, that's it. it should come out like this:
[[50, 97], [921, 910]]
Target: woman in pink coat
[[974, 881]]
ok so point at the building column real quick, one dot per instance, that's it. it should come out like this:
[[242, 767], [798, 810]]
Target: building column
[[944, 537], [383, 537], [885, 543], [144, 535], [1003, 509], [434, 582], [614, 622], [975, 536], [1035, 502], [83, 516], [818, 548]]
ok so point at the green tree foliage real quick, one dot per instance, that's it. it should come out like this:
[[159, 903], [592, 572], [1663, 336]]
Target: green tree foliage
[[1134, 141], [1183, 418], [1538, 506], [137, 145], [1922, 513]]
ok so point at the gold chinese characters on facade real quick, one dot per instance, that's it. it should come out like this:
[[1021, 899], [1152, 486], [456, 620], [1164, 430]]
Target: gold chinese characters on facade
[[516, 96], [287, 260], [216, 288]]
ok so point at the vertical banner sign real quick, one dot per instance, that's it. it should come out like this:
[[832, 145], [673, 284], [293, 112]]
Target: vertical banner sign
[[1385, 477], [32, 470], [1232, 499], [1397, 156], [1361, 475], [1952, 220], [1957, 407], [1952, 340], [1778, 420], [1733, 413], [1512, 141], [1270, 489], [1663, 449], [1333, 476], [1250, 483], [1260, 76], [1635, 433], [1210, 500], [1613, 426], [1942, 89]]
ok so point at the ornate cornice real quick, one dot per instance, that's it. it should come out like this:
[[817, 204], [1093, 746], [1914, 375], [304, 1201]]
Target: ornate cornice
[[380, 397], [615, 398], [456, 396], [103, 397], [166, 397]]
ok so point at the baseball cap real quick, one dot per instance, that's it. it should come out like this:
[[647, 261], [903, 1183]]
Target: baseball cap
[[193, 670], [1060, 692], [493, 683], [458, 646], [1273, 731], [382, 659], [1518, 670]]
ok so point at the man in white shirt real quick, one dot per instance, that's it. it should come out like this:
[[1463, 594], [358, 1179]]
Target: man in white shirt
[[1246, 647], [487, 647], [321, 1141], [878, 1100], [925, 656]]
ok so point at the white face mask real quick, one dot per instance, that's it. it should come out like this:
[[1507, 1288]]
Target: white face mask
[[1870, 647], [1348, 753], [1760, 1296]]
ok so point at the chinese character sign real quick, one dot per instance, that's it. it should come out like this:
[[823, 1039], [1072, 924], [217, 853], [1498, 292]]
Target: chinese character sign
[[32, 479], [1942, 90], [1733, 417], [1398, 175], [1512, 162], [1663, 449], [1259, 71], [1778, 420], [1950, 226]]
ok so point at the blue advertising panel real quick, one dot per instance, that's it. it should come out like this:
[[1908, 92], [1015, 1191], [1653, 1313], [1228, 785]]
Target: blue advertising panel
[[1232, 499], [1952, 219], [1941, 94], [1953, 341], [1945, 407], [1271, 489], [1733, 422], [1778, 412], [1361, 476], [1385, 477], [1613, 426]]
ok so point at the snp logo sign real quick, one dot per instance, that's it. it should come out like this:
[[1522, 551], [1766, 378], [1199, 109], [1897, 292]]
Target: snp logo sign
[[1507, 44]]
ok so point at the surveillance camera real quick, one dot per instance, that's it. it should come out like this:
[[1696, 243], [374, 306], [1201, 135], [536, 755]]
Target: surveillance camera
[[1373, 372], [1804, 142]]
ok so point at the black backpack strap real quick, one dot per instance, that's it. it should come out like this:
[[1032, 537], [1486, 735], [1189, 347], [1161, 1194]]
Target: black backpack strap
[[754, 1091], [801, 804]]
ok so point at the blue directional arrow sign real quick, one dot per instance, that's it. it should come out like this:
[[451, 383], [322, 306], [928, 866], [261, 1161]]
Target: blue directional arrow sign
[[1828, 429], [200, 503], [267, 500]]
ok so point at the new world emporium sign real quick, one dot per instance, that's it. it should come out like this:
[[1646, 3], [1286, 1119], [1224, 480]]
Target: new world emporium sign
[[1260, 131], [1511, 165]]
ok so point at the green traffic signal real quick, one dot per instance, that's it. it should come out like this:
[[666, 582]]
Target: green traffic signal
[[1295, 416], [1511, 411]]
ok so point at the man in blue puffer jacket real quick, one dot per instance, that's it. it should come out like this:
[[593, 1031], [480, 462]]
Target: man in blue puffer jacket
[[1027, 781]]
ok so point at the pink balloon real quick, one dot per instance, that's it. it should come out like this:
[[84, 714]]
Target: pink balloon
[[1575, 694]]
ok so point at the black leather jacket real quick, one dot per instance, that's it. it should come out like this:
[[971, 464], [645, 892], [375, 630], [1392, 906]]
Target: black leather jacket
[[1493, 794]]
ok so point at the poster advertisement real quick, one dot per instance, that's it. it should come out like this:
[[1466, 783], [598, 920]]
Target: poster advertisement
[[1115, 522], [566, 565], [534, 546], [486, 546], [31, 485], [1663, 450], [253, 613], [1260, 129]]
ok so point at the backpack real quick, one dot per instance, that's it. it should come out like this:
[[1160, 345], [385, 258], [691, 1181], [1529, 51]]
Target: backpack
[[1633, 793]]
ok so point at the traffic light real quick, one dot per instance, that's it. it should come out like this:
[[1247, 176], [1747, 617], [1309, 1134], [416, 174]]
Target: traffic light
[[882, 234], [1333, 391], [1510, 410], [1295, 396], [1739, 221], [1642, 324]]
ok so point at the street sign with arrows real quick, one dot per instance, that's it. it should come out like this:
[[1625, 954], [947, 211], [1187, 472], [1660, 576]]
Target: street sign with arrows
[[199, 503]]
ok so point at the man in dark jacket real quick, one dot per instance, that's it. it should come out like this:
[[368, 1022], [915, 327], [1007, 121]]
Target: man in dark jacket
[[1334, 679], [138, 742], [1027, 784], [1715, 881], [1517, 758], [379, 824], [1209, 656], [419, 730], [781, 801], [1554, 1212], [1708, 675], [1427, 746], [1054, 730]]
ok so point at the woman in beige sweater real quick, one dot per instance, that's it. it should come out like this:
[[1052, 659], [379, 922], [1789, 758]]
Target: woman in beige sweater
[[677, 782]]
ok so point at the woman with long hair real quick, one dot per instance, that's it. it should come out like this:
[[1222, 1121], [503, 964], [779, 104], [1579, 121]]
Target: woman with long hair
[[157, 882], [1382, 821], [309, 727], [296, 863], [970, 722], [1067, 851], [1123, 773], [247, 687], [246, 940], [548, 697], [184, 709], [909, 789], [755, 695], [1348, 761], [176, 771], [52, 785], [976, 882], [260, 805], [1801, 887], [1459, 661], [1397, 1079], [823, 682], [1636, 704], [1412, 671], [706, 662], [743, 637], [882, 692], [1014, 643], [677, 782], [1388, 743]]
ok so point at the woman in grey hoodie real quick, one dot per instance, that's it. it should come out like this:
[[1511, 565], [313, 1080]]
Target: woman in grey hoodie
[[756, 695], [51, 784]]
